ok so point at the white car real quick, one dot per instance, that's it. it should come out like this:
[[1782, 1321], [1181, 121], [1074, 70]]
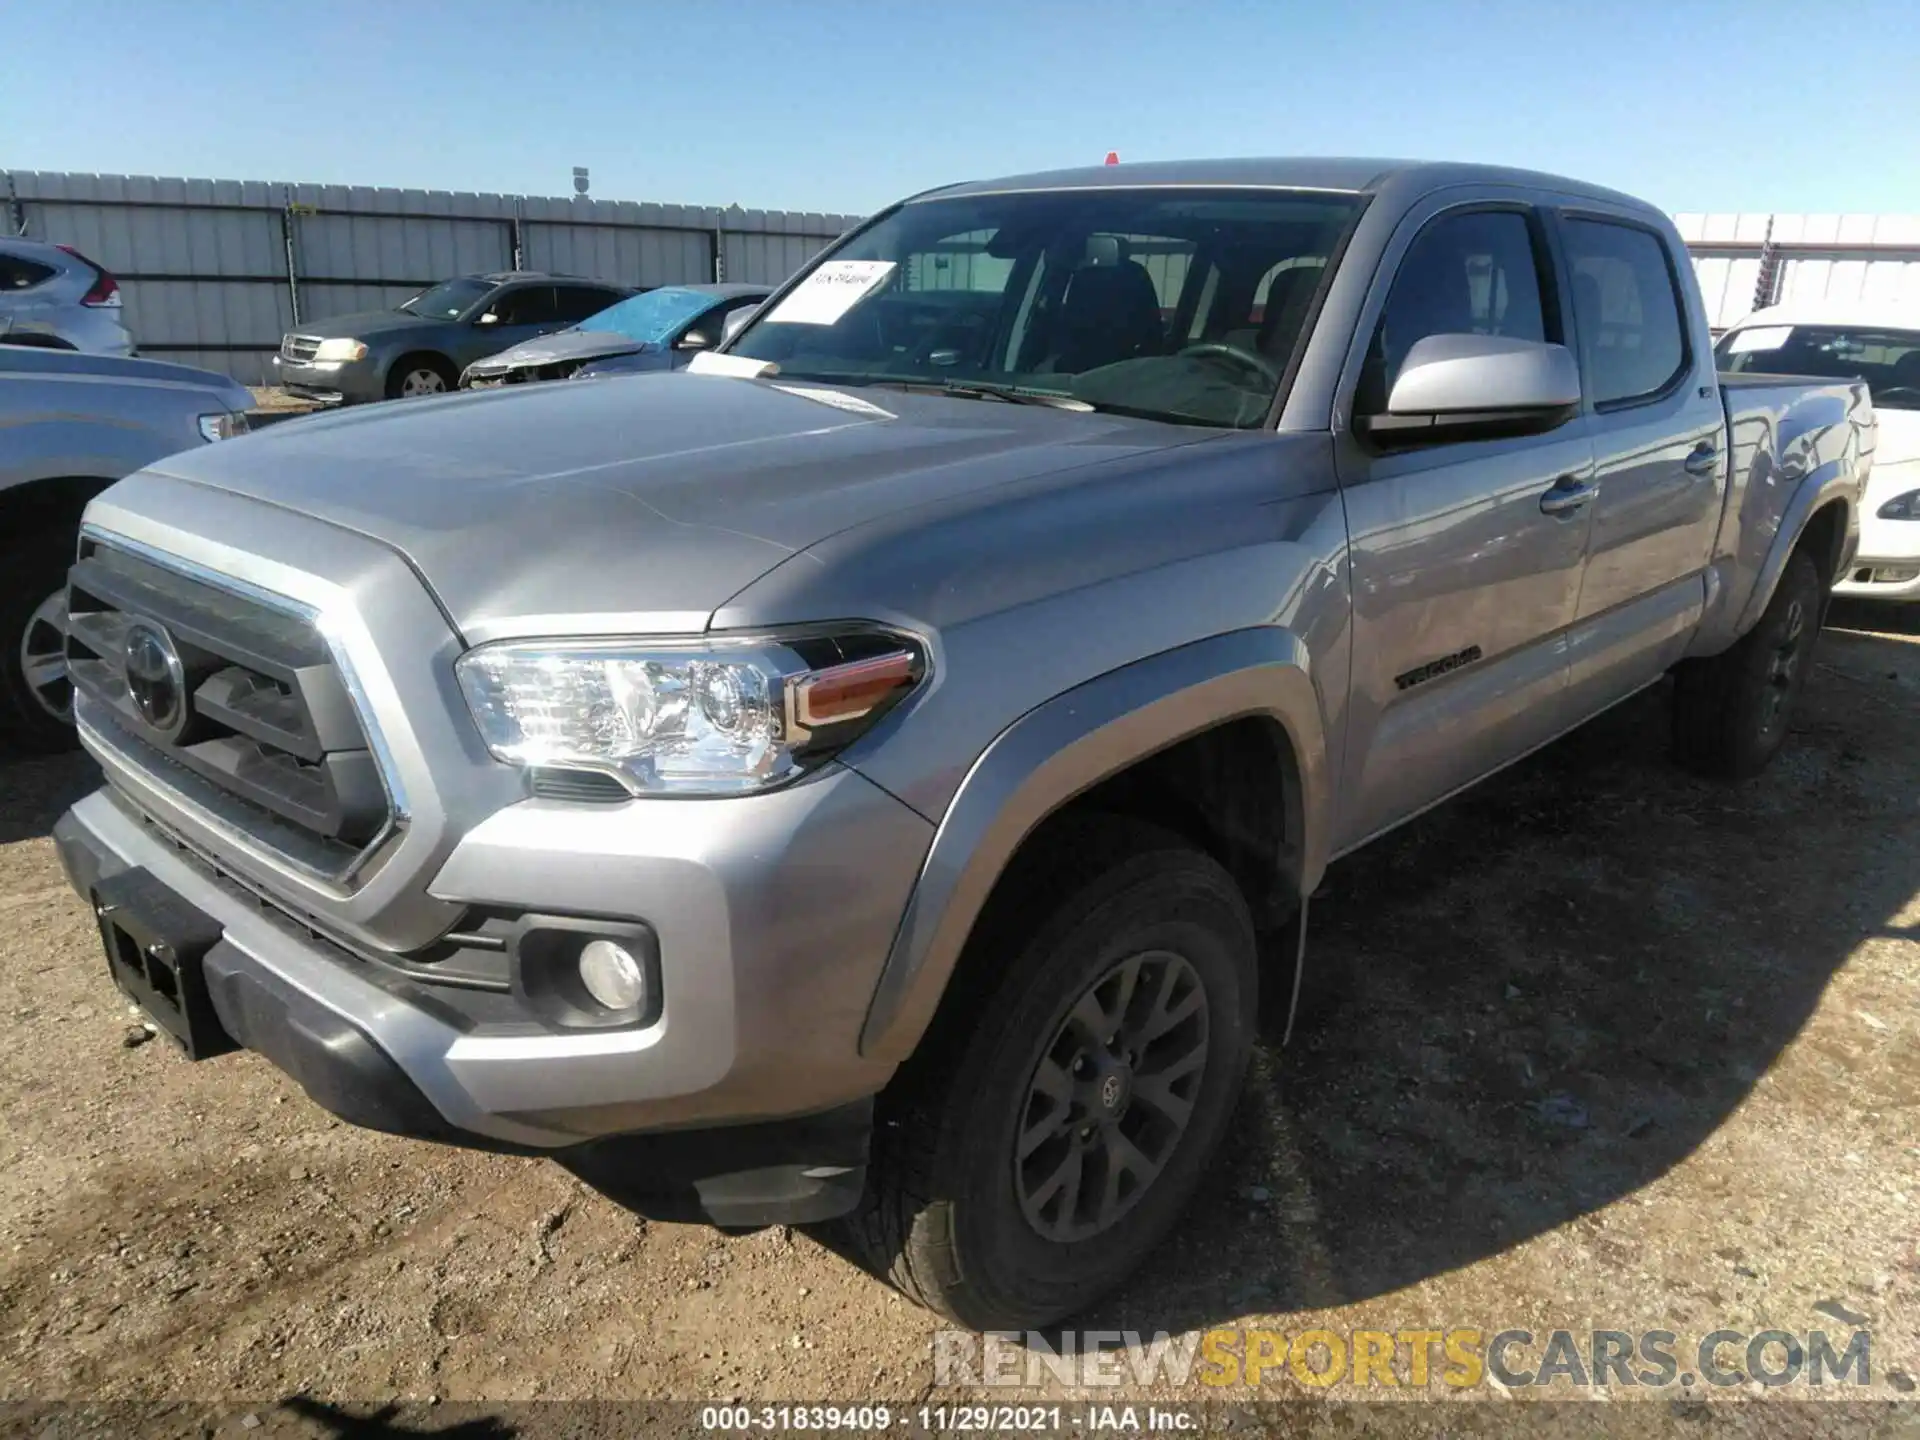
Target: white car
[[1875, 341]]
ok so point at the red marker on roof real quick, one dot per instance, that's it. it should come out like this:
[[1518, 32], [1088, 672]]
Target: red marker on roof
[[1113, 157]]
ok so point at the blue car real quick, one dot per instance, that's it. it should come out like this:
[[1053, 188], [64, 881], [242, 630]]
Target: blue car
[[659, 329]]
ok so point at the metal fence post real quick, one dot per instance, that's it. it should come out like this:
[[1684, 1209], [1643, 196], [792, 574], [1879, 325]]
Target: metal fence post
[[718, 239], [1768, 280], [16, 216], [288, 232], [513, 230]]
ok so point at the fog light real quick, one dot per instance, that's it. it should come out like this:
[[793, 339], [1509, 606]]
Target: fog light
[[612, 975]]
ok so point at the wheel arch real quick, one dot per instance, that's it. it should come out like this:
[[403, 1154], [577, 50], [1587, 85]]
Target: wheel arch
[[1193, 738], [48, 500], [1821, 516], [440, 360]]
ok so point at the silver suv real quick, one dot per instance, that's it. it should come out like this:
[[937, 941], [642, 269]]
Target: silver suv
[[877, 772], [52, 295]]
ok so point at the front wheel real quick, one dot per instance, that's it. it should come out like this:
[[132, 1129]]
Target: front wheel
[[1730, 712], [1045, 1139], [419, 375]]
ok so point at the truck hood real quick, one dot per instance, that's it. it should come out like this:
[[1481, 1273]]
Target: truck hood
[[642, 504], [567, 345]]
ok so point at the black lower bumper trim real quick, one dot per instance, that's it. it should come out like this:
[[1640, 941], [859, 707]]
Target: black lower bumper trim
[[786, 1171]]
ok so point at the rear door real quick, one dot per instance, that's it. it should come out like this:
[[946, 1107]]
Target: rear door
[[1658, 435], [574, 303], [1463, 587]]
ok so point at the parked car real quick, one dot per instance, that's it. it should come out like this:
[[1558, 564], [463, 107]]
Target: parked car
[[659, 329], [1878, 342], [421, 346], [53, 296], [70, 425], [851, 776]]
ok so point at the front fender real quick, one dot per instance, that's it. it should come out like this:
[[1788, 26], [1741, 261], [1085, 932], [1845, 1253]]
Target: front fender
[[1065, 747]]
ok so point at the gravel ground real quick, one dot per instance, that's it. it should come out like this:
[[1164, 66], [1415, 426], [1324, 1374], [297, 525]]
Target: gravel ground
[[1596, 1046]]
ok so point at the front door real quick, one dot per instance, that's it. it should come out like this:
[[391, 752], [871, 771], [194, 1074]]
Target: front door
[[1658, 433], [1464, 582], [521, 312]]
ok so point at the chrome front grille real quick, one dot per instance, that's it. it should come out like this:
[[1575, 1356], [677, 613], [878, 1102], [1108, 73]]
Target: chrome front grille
[[299, 348], [235, 704]]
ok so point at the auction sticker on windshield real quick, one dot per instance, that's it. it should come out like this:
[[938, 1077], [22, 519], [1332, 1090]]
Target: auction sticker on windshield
[[834, 288]]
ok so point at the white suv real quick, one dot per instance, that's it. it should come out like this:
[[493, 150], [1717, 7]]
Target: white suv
[[53, 296]]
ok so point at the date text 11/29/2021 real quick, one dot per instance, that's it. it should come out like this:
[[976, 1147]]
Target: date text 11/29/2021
[[948, 1419]]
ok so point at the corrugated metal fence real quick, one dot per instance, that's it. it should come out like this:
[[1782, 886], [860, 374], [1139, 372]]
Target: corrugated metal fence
[[1745, 262], [215, 271]]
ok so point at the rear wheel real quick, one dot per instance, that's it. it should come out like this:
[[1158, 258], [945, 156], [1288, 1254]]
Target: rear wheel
[[1046, 1138], [36, 698], [417, 375], [1730, 712]]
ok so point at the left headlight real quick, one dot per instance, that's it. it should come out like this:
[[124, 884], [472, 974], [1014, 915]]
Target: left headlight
[[223, 426], [717, 716], [331, 351], [1901, 507]]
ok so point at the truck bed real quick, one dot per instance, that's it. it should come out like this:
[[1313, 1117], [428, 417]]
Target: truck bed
[[1782, 430]]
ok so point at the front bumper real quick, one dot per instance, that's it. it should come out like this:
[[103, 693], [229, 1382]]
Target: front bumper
[[334, 383], [1887, 565], [752, 1068], [773, 925]]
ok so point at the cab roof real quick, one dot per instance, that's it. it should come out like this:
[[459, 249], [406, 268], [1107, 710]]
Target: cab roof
[[1357, 176]]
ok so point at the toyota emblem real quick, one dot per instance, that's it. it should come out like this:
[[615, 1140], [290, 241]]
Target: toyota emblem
[[156, 680]]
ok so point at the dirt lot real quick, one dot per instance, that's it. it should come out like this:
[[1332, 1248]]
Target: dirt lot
[[1598, 1046]]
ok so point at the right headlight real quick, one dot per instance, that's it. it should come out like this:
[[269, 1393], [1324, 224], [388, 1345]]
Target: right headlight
[[1901, 507], [718, 715], [332, 351]]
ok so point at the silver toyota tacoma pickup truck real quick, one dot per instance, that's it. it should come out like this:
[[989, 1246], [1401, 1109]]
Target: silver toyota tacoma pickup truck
[[878, 775]]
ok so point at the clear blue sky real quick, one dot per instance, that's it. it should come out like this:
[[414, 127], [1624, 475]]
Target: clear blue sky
[[1783, 105]]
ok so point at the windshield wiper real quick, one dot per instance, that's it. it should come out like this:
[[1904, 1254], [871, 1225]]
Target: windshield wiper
[[993, 390]]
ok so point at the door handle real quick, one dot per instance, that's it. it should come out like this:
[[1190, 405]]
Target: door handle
[[1567, 496], [1703, 458]]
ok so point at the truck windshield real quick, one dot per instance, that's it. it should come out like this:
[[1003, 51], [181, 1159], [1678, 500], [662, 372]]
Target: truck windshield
[[448, 300], [1173, 303], [652, 318], [1888, 360]]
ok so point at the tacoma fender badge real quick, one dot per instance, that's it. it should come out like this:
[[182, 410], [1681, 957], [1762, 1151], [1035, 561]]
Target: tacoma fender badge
[[1433, 669]]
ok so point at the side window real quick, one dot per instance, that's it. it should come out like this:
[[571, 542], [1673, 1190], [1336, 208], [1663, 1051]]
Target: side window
[[527, 305], [1464, 274], [1632, 334], [19, 273], [576, 302]]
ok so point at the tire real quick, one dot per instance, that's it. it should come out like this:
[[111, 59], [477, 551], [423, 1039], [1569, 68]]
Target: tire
[[36, 700], [1730, 712], [951, 1217], [417, 375]]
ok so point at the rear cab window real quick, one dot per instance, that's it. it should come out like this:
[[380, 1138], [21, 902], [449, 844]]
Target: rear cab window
[[1628, 310]]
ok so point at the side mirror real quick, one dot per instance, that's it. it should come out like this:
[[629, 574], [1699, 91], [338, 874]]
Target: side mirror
[[1457, 387], [488, 319], [737, 321], [696, 340]]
